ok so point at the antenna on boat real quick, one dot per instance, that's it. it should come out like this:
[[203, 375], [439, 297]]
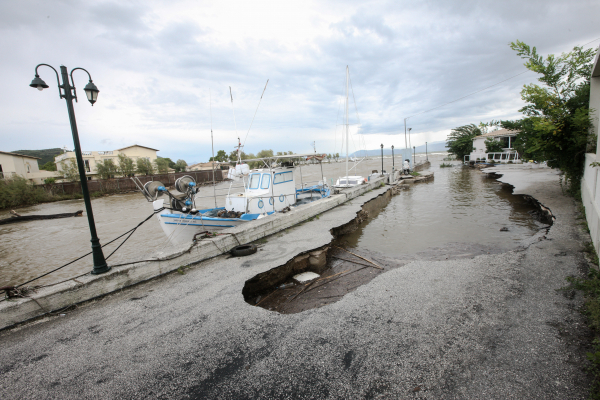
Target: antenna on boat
[[234, 123], [347, 121], [261, 96], [212, 145]]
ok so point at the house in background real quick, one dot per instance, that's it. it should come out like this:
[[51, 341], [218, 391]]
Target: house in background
[[12, 165], [208, 166], [92, 158], [507, 154]]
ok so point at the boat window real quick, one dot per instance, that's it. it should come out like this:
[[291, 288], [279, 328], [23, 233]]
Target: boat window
[[254, 180], [283, 177], [266, 180]]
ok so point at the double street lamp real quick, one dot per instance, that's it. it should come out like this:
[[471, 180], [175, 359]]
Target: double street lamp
[[67, 91]]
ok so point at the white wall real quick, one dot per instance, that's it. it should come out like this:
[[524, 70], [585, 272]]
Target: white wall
[[590, 187]]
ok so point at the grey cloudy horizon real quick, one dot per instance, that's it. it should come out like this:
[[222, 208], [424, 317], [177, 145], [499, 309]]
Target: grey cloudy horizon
[[157, 63]]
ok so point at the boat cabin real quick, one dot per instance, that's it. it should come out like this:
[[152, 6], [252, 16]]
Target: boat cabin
[[267, 190]]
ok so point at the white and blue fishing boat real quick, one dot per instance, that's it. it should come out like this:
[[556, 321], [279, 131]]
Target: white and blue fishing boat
[[266, 191]]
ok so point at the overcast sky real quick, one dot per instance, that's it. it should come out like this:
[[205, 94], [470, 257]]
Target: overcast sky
[[155, 63]]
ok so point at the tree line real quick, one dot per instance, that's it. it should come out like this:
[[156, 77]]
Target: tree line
[[232, 157]]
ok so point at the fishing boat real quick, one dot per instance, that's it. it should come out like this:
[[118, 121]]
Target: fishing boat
[[349, 180], [266, 191]]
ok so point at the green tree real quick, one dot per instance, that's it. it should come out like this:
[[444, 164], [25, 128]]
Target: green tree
[[492, 145], [337, 156], [556, 122], [126, 166], [144, 166], [460, 140], [221, 156], [106, 169], [69, 170], [180, 166], [264, 153], [49, 166], [162, 165]]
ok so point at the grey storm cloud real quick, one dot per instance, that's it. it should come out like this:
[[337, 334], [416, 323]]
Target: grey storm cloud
[[155, 62]]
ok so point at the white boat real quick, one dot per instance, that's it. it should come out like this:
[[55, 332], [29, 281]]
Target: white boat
[[266, 191], [349, 180]]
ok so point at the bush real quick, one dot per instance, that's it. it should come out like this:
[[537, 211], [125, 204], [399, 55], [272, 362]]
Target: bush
[[19, 192], [49, 180]]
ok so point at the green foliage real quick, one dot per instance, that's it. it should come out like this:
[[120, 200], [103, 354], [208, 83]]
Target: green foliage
[[162, 165], [460, 140], [492, 145], [48, 181], [126, 166], [415, 173], [49, 166], [106, 169], [144, 166], [45, 155], [19, 192], [180, 166], [69, 170], [221, 156], [444, 165], [556, 122]]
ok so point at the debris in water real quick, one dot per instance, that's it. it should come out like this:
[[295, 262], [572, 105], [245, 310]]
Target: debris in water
[[306, 276]]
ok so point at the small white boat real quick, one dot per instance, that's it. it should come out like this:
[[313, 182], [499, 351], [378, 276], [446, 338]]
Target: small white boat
[[266, 191], [348, 180]]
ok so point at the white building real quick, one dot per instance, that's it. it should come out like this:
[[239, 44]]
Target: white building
[[92, 158], [503, 136], [12, 165]]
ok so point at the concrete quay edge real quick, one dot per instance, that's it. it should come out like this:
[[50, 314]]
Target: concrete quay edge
[[71, 292]]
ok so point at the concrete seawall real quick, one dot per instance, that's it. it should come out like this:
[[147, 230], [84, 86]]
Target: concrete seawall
[[74, 291]]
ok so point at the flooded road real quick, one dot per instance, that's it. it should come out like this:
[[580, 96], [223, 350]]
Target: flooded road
[[460, 205]]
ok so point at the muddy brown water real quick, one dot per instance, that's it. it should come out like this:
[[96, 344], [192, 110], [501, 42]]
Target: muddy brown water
[[459, 202], [460, 214]]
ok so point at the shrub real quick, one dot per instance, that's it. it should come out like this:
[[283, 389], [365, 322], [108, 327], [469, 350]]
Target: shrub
[[18, 191]]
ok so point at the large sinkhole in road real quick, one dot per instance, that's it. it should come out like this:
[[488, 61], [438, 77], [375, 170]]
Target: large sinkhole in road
[[461, 214]]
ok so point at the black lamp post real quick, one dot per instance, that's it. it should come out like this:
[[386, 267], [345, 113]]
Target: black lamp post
[[381, 159], [414, 155], [393, 164], [67, 91]]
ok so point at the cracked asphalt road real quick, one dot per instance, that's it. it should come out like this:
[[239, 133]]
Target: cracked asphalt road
[[488, 327]]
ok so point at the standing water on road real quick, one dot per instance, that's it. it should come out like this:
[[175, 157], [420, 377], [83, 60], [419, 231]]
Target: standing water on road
[[460, 205]]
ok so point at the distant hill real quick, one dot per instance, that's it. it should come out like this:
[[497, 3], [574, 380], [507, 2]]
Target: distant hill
[[45, 154], [431, 147]]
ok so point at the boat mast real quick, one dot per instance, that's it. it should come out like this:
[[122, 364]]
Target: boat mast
[[347, 121], [213, 147]]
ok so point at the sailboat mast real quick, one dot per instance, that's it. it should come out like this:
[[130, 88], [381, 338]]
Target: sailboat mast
[[347, 121], [212, 143]]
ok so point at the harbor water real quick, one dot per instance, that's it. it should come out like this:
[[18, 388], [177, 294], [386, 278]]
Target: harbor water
[[459, 205]]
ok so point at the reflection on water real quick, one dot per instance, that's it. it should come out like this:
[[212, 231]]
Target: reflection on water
[[459, 206]]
